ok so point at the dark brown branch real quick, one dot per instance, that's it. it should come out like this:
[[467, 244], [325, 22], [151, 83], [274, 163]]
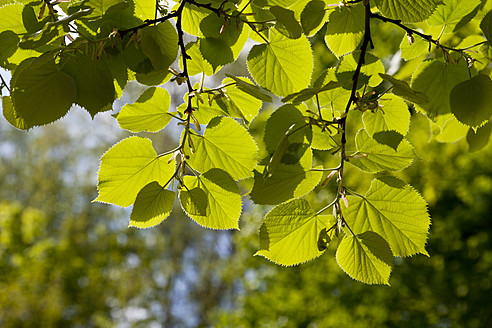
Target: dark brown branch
[[353, 98]]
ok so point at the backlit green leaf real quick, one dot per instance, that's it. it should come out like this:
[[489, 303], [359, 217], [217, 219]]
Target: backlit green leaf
[[212, 199], [247, 105], [191, 18], [452, 12], [101, 6], [129, 166], [373, 156], [289, 233], [394, 211], [152, 205], [283, 66], [471, 100], [402, 89], [226, 145], [451, 130], [436, 79], [149, 113], [197, 64], [250, 88], [411, 50], [407, 10], [369, 73], [394, 115], [286, 182], [11, 115], [144, 9], [365, 257], [345, 29], [12, 18]]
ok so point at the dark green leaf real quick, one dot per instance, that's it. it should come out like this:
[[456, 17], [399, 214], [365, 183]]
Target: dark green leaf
[[479, 138], [42, 93], [286, 23], [95, 88], [312, 16], [471, 100]]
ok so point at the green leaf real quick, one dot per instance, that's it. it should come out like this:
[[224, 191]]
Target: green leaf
[[249, 88], [149, 113], [287, 123], [365, 257], [12, 18], [101, 6], [11, 115], [197, 64], [402, 89], [393, 116], [388, 138], [369, 73], [308, 93], [226, 145], [247, 105], [216, 51], [191, 18], [135, 59], [451, 130], [451, 13], [153, 204], [289, 233], [283, 66], [393, 210], [323, 139], [335, 99], [160, 44], [373, 156], [129, 166], [286, 182], [217, 27], [471, 100], [95, 87], [9, 42], [486, 26], [408, 11], [223, 39], [436, 79], [480, 138], [312, 17], [286, 23], [42, 93], [411, 50], [144, 9], [345, 29], [212, 199]]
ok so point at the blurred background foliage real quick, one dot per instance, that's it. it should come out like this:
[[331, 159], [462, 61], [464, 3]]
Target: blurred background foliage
[[65, 262]]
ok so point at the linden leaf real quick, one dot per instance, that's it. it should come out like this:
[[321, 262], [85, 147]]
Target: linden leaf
[[393, 210]]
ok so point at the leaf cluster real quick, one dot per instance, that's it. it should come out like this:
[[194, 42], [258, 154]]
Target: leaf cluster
[[353, 114]]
